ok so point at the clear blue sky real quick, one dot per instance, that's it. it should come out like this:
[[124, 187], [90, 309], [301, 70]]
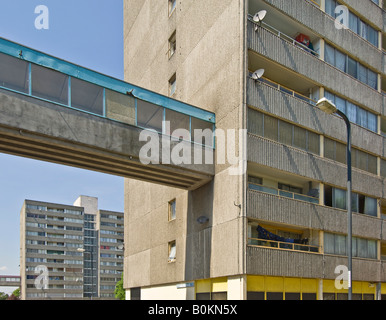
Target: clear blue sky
[[85, 32]]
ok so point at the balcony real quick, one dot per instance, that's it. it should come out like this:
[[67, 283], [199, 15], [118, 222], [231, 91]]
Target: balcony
[[298, 109], [284, 263], [302, 214], [269, 50], [309, 15], [283, 193], [271, 154]]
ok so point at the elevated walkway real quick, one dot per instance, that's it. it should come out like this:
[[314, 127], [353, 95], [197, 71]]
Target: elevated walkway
[[10, 281], [55, 111]]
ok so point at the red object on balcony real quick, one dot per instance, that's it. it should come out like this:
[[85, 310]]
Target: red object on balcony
[[302, 38]]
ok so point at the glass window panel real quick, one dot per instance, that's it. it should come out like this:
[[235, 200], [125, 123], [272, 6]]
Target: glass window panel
[[372, 122], [14, 73], [255, 122], [329, 55], [86, 96], [340, 152], [353, 22], [120, 107], [172, 250], [330, 7], [372, 79], [371, 249], [256, 180], [270, 127], [373, 36], [352, 112], [329, 96], [329, 149], [370, 206], [300, 138], [339, 199], [340, 244], [362, 29], [354, 202], [177, 121], [49, 84], [204, 132], [149, 116], [354, 158], [340, 60], [354, 247], [362, 117], [313, 143], [361, 160], [362, 73], [285, 133], [361, 248], [340, 104], [352, 67], [383, 168], [372, 164]]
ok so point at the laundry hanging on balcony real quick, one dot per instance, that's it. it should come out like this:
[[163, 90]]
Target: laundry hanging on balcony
[[266, 235]]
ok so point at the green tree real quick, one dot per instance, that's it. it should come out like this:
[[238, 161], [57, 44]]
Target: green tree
[[3, 296], [16, 293], [119, 291]]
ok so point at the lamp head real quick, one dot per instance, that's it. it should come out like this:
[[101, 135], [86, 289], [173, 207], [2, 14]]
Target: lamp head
[[326, 106]]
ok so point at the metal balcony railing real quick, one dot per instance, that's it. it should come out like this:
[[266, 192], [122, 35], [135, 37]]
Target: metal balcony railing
[[282, 245], [283, 193]]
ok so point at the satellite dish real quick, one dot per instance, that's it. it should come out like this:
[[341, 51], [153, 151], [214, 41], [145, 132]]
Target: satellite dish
[[258, 74], [258, 17]]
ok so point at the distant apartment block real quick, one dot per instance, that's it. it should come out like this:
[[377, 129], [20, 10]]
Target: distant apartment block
[[70, 251]]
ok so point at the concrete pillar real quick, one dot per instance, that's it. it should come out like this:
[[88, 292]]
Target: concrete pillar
[[237, 287]]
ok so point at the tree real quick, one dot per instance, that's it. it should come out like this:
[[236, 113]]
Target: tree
[[3, 296], [16, 293], [119, 291]]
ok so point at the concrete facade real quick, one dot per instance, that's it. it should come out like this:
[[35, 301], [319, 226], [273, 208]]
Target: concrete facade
[[212, 79], [292, 181]]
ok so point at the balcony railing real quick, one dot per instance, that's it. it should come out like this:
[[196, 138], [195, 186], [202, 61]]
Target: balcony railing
[[286, 90], [282, 245], [283, 193], [283, 36]]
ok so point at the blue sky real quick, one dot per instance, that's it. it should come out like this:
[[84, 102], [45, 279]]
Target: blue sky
[[85, 32]]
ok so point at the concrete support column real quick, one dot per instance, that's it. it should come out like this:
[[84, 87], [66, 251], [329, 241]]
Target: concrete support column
[[237, 287]]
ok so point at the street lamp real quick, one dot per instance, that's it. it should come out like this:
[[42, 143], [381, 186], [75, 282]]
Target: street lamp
[[328, 107]]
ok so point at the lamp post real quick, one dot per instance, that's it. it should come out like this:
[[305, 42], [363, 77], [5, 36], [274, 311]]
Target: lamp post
[[328, 107], [92, 271]]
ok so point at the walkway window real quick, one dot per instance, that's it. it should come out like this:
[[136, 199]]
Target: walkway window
[[149, 115], [14, 73], [86, 96], [49, 84]]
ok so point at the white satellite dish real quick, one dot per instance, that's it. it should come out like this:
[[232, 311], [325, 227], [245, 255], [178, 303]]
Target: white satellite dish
[[258, 74], [259, 16]]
